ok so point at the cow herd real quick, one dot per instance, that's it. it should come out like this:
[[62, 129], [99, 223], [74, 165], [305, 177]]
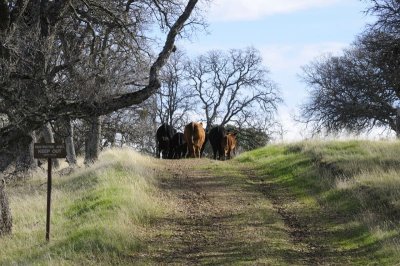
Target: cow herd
[[191, 143]]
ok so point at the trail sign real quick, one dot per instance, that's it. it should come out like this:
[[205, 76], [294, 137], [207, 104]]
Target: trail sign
[[49, 151]]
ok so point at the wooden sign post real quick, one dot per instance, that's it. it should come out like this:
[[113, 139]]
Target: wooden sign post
[[49, 151]]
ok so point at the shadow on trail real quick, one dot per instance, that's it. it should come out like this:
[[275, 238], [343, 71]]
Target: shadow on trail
[[221, 220]]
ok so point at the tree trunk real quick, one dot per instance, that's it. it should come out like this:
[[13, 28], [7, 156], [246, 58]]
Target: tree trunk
[[69, 142], [112, 139], [92, 144], [25, 160], [5, 213], [15, 154], [398, 123]]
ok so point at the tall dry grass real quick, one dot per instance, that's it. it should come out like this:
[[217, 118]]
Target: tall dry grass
[[99, 213], [369, 172]]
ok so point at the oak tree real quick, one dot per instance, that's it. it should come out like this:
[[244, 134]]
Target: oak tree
[[233, 87], [360, 89], [55, 55]]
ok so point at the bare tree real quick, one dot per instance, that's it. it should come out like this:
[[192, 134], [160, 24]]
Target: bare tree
[[387, 14], [36, 72], [360, 89], [233, 87], [174, 99], [140, 128], [357, 90], [134, 126]]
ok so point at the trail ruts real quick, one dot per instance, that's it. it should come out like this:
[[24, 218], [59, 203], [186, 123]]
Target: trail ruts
[[207, 227], [302, 234]]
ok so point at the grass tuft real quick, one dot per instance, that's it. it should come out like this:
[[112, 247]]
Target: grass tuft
[[98, 213]]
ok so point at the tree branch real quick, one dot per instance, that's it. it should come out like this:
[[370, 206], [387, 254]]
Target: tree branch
[[12, 133]]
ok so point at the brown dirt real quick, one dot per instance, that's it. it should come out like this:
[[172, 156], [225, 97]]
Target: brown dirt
[[217, 221]]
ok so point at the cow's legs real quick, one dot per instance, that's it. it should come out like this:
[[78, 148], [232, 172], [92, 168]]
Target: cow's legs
[[191, 151], [220, 153], [158, 152], [196, 152]]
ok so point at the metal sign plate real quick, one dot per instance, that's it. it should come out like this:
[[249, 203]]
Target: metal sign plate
[[49, 150]]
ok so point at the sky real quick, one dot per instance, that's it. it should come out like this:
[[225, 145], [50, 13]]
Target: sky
[[289, 34]]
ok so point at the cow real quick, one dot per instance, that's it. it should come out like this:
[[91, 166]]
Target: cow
[[164, 136], [229, 143], [178, 145], [195, 136], [215, 136]]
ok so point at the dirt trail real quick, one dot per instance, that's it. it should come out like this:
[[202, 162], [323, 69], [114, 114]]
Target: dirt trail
[[220, 219]]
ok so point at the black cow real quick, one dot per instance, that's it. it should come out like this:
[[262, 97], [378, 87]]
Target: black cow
[[178, 146], [164, 136], [215, 136]]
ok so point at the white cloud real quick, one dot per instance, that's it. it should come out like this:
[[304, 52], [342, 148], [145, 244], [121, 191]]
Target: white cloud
[[278, 57], [240, 10], [292, 57]]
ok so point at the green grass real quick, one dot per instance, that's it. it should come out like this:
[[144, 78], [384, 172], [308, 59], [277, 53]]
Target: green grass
[[344, 195], [347, 192], [98, 214]]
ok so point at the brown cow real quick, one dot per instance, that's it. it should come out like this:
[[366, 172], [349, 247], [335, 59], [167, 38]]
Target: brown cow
[[228, 144], [195, 136]]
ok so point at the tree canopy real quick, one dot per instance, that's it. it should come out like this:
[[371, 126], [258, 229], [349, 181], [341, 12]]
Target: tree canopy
[[233, 87], [358, 89], [79, 59]]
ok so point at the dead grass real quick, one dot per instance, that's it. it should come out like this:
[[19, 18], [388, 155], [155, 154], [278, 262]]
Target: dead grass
[[99, 213]]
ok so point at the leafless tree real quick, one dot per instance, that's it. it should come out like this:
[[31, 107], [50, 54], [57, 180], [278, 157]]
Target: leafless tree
[[357, 90], [54, 55], [387, 14], [134, 126], [233, 87], [174, 98], [251, 138]]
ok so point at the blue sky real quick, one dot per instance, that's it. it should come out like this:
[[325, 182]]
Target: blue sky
[[289, 34]]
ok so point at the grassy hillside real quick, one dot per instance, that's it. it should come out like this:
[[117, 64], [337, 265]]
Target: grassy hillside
[[343, 197], [98, 214], [329, 203]]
